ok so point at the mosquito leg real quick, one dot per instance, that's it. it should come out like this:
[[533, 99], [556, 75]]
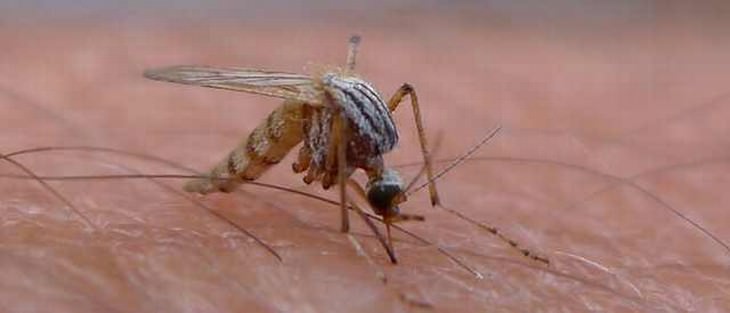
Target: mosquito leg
[[393, 103], [342, 170], [495, 231]]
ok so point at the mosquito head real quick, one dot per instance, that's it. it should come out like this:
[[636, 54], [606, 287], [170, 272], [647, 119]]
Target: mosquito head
[[385, 193]]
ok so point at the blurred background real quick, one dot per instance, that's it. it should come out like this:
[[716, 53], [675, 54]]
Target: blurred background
[[524, 10], [611, 162]]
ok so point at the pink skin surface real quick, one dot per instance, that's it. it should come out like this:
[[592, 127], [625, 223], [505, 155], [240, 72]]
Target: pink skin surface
[[604, 130]]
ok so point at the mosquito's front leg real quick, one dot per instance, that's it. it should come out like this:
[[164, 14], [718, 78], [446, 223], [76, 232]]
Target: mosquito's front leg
[[396, 99], [341, 132]]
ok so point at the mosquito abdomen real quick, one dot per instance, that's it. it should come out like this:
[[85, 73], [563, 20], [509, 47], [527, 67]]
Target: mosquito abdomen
[[267, 145]]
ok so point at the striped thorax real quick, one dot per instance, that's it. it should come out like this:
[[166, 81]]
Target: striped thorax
[[372, 130]]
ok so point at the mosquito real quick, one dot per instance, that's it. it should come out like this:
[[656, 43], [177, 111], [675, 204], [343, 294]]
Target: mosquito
[[343, 121]]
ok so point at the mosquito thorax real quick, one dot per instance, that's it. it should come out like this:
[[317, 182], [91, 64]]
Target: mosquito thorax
[[383, 193]]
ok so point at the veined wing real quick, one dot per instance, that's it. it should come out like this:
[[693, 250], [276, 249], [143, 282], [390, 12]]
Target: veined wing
[[274, 84]]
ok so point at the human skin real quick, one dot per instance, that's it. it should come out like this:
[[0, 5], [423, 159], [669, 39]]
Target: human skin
[[605, 131]]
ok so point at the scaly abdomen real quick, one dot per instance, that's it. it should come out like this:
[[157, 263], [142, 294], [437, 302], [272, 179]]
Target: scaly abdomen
[[267, 145]]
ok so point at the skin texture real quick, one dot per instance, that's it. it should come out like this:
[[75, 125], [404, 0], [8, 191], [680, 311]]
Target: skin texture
[[605, 128]]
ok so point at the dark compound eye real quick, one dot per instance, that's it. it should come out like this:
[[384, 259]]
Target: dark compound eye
[[380, 197]]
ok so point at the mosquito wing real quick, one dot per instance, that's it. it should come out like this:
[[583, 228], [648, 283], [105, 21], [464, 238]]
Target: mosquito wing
[[275, 84]]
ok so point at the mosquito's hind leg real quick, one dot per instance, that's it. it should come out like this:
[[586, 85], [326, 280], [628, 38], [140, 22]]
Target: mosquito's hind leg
[[396, 99]]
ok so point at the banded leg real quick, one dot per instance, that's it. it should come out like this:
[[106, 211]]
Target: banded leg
[[396, 99]]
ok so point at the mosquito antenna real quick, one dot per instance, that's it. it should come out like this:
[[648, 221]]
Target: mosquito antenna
[[352, 52], [459, 160]]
